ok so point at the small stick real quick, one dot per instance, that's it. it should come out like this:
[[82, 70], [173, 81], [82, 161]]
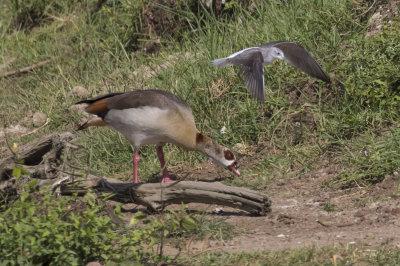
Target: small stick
[[188, 244], [207, 250], [321, 223], [177, 181], [36, 129], [24, 69], [205, 241], [59, 183]]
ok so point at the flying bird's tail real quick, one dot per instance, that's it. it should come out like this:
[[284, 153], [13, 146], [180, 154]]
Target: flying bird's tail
[[222, 62]]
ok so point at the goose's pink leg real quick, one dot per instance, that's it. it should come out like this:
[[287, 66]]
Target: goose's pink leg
[[160, 155], [136, 160]]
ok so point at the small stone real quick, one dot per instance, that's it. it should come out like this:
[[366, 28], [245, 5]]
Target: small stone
[[360, 213], [223, 130], [80, 108], [79, 92], [13, 130], [39, 119], [94, 263], [239, 148], [218, 210]]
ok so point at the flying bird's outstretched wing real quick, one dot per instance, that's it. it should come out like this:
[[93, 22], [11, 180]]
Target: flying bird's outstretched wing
[[301, 59], [251, 61], [253, 75], [242, 57]]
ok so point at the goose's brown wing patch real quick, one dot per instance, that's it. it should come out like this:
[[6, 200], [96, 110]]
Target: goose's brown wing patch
[[98, 107], [92, 122], [99, 104]]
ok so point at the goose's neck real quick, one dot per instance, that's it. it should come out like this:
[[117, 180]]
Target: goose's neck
[[206, 145]]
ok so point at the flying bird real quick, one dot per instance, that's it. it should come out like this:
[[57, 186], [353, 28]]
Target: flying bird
[[155, 117], [252, 60]]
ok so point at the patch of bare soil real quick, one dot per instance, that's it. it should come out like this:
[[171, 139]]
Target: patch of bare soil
[[383, 15], [305, 213]]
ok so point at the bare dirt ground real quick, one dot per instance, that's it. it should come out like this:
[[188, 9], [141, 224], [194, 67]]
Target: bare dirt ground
[[305, 214], [366, 218]]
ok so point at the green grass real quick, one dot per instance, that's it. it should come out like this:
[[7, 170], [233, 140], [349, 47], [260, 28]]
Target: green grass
[[340, 255], [86, 50], [89, 50], [369, 159], [354, 121]]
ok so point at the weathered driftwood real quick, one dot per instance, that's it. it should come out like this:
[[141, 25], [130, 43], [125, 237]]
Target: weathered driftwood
[[157, 195], [43, 159]]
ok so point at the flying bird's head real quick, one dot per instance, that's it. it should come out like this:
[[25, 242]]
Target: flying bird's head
[[277, 53]]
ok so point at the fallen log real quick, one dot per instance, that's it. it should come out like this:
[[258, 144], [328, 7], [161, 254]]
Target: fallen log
[[41, 158], [44, 159], [157, 195]]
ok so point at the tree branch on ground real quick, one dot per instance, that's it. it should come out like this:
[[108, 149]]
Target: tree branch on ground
[[24, 69]]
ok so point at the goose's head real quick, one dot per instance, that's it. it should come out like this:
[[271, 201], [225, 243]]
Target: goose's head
[[216, 153]]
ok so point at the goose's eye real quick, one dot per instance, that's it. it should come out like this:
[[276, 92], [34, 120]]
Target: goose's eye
[[229, 155]]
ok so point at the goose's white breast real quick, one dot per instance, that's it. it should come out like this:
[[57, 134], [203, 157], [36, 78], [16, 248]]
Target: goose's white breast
[[144, 125]]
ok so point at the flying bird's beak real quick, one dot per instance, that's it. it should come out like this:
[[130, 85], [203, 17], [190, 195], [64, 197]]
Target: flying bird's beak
[[234, 170]]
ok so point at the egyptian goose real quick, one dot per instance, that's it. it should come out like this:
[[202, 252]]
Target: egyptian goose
[[155, 117], [252, 60]]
